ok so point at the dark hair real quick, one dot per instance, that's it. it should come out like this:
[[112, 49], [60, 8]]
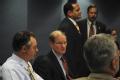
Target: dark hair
[[68, 7], [21, 38], [72, 1], [91, 6]]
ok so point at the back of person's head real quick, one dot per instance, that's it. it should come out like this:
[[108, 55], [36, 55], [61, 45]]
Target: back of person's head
[[54, 34], [21, 39], [91, 6], [99, 52]]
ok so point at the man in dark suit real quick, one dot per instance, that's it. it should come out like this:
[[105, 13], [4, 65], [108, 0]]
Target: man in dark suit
[[72, 30], [90, 21], [50, 67]]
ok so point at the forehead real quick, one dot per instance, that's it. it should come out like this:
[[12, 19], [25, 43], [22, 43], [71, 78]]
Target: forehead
[[93, 9], [76, 6], [60, 37]]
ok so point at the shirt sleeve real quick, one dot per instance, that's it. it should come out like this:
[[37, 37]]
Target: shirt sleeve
[[12, 74]]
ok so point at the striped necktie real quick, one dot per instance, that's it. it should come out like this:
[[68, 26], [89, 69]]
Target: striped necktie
[[30, 70], [65, 65], [91, 31]]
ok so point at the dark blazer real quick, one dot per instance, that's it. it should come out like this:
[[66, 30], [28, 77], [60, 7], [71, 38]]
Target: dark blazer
[[48, 67], [100, 28], [74, 56]]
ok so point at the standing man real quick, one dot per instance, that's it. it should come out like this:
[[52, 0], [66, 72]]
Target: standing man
[[90, 26], [50, 66], [18, 67], [72, 30], [102, 56]]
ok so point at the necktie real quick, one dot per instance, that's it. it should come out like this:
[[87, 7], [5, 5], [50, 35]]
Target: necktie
[[65, 65], [91, 31], [30, 70]]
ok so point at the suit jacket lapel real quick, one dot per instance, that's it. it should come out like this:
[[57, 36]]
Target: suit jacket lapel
[[57, 65], [98, 28], [73, 27]]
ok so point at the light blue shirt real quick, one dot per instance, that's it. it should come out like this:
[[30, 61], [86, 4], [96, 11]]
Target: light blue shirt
[[15, 68]]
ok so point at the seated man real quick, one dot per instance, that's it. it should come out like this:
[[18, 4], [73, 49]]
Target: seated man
[[102, 57], [51, 66], [18, 67]]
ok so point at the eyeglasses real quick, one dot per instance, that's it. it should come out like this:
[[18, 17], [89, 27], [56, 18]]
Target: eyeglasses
[[61, 43]]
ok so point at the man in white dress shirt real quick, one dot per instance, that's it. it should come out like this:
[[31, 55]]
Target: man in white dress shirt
[[16, 67]]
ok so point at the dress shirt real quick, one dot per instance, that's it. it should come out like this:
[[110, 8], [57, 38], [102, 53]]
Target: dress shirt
[[88, 27], [15, 68]]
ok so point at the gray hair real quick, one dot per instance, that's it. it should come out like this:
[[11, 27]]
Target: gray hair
[[99, 50]]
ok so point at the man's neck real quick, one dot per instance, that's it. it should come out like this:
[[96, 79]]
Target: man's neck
[[23, 56]]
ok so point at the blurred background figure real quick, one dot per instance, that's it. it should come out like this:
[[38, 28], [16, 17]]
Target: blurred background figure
[[91, 23]]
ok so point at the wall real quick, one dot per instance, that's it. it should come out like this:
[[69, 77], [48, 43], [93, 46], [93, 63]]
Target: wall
[[13, 18], [42, 19], [43, 16]]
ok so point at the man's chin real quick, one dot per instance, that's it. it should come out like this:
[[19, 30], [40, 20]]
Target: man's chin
[[78, 19], [92, 20]]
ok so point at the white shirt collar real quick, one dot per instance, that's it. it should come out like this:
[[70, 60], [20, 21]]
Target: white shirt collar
[[57, 56], [89, 22], [19, 60], [73, 21]]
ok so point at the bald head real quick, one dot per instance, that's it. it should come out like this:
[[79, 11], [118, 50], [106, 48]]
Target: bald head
[[55, 34]]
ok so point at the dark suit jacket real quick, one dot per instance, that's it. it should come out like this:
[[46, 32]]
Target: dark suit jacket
[[74, 56], [100, 28], [48, 67]]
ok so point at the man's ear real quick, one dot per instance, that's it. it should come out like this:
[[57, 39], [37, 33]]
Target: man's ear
[[24, 49], [51, 43], [113, 64], [69, 13]]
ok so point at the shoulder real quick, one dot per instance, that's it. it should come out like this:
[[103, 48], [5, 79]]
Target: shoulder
[[82, 78], [82, 21], [100, 23], [13, 70], [65, 22], [86, 78], [10, 64], [43, 60]]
